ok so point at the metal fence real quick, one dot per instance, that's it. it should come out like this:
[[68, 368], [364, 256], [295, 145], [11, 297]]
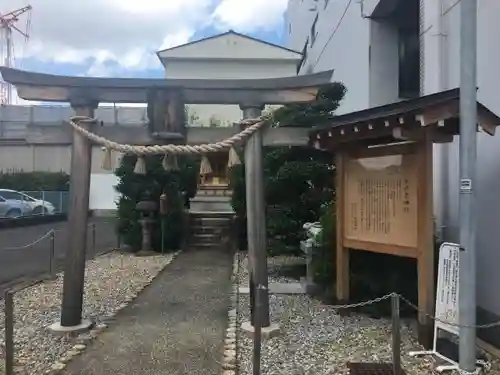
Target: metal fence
[[58, 199]]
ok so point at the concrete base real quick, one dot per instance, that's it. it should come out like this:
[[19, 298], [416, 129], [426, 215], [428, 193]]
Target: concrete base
[[266, 332], [85, 325]]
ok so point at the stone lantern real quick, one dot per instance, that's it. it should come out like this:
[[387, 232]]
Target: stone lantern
[[147, 209]]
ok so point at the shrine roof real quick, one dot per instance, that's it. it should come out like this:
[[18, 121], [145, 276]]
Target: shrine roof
[[59, 88], [438, 113]]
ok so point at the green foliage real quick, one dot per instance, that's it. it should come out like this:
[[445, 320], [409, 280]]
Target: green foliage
[[35, 181], [314, 113], [135, 187], [323, 262], [298, 181]]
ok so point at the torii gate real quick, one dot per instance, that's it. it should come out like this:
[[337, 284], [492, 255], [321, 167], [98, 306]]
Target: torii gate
[[169, 95]]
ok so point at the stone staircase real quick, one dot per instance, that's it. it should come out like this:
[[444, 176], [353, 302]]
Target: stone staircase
[[210, 230]]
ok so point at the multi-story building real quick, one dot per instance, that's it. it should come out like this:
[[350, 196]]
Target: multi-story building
[[389, 50]]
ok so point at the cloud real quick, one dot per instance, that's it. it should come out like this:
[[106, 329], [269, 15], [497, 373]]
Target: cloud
[[125, 31], [106, 36], [248, 16]]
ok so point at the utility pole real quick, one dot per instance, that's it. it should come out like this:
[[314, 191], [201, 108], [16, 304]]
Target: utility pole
[[468, 164]]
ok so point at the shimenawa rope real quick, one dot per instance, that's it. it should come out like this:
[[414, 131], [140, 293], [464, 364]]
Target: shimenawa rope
[[253, 125]]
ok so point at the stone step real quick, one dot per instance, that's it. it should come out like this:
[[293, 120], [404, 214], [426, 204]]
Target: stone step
[[205, 237], [209, 222], [208, 228], [205, 246], [211, 213]]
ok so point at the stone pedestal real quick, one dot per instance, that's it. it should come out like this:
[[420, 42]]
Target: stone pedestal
[[85, 325], [308, 281], [269, 332]]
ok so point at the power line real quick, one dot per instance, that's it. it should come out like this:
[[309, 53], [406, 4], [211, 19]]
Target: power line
[[333, 33]]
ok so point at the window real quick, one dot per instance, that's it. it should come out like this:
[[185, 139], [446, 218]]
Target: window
[[409, 63], [314, 33], [9, 195], [289, 28], [27, 198]]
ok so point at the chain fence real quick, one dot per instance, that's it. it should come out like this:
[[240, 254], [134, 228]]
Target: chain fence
[[23, 266], [396, 330], [45, 254]]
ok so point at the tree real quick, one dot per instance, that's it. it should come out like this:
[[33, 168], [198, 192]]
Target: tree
[[298, 180], [134, 187]]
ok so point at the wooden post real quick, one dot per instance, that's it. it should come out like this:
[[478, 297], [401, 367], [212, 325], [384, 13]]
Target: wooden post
[[256, 216], [425, 250], [342, 254], [74, 268]]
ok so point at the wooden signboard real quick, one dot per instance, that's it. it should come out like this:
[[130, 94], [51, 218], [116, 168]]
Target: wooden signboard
[[384, 205], [381, 201]]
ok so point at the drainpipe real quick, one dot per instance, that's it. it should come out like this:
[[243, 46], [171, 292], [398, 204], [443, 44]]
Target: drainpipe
[[445, 147]]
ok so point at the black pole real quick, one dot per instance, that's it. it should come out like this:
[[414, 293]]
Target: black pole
[[9, 332], [257, 330], [252, 299], [396, 335]]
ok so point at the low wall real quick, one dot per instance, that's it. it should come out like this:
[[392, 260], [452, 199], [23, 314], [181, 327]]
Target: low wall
[[28, 221]]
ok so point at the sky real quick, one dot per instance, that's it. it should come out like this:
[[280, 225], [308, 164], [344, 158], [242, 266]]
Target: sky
[[119, 38]]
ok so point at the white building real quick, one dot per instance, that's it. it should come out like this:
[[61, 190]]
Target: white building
[[388, 50], [227, 56]]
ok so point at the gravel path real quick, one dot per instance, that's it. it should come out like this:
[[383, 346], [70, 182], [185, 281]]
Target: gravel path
[[112, 280], [175, 326], [316, 340]]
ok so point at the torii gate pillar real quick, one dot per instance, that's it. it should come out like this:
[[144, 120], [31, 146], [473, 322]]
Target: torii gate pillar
[[256, 228], [74, 269]]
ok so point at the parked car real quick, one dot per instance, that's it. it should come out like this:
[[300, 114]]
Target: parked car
[[25, 204], [14, 208]]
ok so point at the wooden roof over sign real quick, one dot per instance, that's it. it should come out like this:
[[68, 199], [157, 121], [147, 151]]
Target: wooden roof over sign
[[436, 114]]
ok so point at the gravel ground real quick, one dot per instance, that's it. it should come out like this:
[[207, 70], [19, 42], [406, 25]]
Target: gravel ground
[[112, 280], [316, 340]]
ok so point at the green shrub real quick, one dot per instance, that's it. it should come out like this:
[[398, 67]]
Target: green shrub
[[323, 261], [135, 187], [34, 181]]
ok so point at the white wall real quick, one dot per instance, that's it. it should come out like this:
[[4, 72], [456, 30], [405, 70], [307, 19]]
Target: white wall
[[488, 171], [226, 115], [50, 158], [103, 195], [347, 52]]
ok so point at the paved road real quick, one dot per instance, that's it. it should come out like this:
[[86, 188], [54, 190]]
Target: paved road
[[174, 327], [19, 260]]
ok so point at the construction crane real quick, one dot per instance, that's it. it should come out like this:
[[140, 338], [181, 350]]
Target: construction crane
[[8, 23]]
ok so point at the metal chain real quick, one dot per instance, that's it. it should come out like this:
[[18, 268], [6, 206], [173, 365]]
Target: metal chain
[[407, 301], [364, 303], [479, 326], [38, 240], [252, 125]]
